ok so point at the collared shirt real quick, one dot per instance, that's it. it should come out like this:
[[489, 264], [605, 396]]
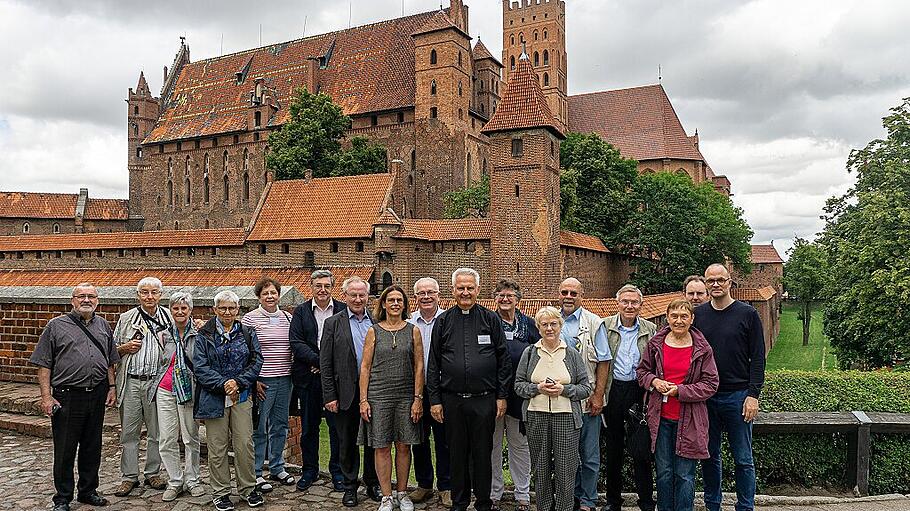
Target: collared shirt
[[569, 335], [552, 365], [627, 355], [321, 315], [71, 356], [359, 328], [426, 333], [152, 327]]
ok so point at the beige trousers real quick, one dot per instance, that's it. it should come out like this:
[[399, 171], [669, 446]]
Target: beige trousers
[[235, 428]]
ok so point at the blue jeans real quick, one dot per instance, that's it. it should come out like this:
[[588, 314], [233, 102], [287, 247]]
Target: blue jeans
[[675, 474], [589, 468], [725, 413], [273, 424]]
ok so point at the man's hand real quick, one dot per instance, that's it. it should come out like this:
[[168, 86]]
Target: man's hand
[[111, 397], [436, 412], [596, 404], [500, 408], [230, 387], [332, 406], [750, 409], [260, 390], [314, 370], [47, 405], [132, 346]]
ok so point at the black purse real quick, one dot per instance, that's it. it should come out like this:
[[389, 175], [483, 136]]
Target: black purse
[[638, 434]]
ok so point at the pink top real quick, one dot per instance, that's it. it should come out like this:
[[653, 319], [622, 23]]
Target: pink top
[[272, 330], [676, 366], [167, 381]]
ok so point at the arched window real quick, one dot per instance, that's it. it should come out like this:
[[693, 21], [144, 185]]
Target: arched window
[[386, 279], [170, 167], [433, 57], [186, 167], [546, 58], [459, 58], [512, 40], [257, 119], [56, 228], [433, 88], [536, 35], [205, 187], [546, 79], [246, 160], [224, 162], [434, 113], [186, 191], [521, 37], [246, 187], [226, 188], [536, 59], [208, 224], [512, 62], [170, 192], [176, 225], [459, 88], [205, 164], [25, 228], [545, 34]]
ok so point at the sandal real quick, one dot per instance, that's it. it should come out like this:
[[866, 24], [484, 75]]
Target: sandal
[[283, 478], [263, 486], [523, 507]]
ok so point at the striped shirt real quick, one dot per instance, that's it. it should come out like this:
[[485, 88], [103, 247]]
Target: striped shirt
[[272, 330]]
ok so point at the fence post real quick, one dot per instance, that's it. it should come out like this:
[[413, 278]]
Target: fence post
[[859, 451]]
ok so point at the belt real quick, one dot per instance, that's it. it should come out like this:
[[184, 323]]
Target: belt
[[144, 377], [466, 395], [625, 382], [67, 388]]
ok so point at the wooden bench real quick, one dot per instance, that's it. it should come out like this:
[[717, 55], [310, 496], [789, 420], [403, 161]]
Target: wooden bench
[[858, 426]]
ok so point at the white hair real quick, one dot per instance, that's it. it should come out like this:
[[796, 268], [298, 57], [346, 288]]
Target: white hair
[[181, 297], [466, 271], [629, 288], [154, 282], [227, 296], [353, 280], [426, 280]]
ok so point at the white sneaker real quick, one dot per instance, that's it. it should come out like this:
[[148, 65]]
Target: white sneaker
[[404, 502], [387, 503]]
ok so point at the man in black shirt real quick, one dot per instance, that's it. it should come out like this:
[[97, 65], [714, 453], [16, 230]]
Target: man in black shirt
[[734, 330], [75, 356], [467, 380]]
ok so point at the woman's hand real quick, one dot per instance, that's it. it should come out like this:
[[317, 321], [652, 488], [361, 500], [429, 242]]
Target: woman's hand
[[416, 410], [230, 387], [552, 389], [365, 412], [661, 386], [672, 391]]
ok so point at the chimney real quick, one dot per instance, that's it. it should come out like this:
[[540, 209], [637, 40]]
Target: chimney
[[308, 174], [81, 206]]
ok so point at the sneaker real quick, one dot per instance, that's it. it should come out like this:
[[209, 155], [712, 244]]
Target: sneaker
[[263, 485], [445, 498], [254, 499], [420, 494], [170, 494], [196, 491], [386, 504], [404, 502], [223, 503]]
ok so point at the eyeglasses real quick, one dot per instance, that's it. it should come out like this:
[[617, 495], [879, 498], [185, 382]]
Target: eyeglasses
[[716, 282], [85, 297], [426, 294], [147, 292], [506, 296], [227, 310], [626, 303], [567, 292]]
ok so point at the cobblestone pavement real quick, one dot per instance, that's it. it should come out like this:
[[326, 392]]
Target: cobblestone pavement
[[26, 483]]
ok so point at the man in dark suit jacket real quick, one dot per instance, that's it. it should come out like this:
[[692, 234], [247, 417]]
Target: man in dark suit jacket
[[305, 334], [340, 354]]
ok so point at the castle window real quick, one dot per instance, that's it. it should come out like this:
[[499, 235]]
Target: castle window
[[121, 252], [521, 36], [190, 251], [25, 228], [236, 139], [136, 110], [374, 120], [139, 153], [333, 247], [536, 59], [58, 254], [400, 117], [544, 34], [246, 159], [170, 192], [546, 58], [517, 148], [135, 130], [179, 146], [309, 259], [459, 58], [517, 191], [512, 62], [552, 149], [358, 247], [160, 148], [78, 254], [226, 184], [262, 248], [413, 161], [546, 79], [214, 251], [257, 119], [512, 39], [246, 187], [536, 35], [433, 88], [170, 167], [459, 88], [469, 168], [434, 113], [186, 167], [205, 187], [197, 144], [224, 162], [56, 228], [207, 223], [256, 137], [433, 57], [38, 255], [166, 252], [215, 142], [285, 248], [186, 192], [483, 168], [482, 108]]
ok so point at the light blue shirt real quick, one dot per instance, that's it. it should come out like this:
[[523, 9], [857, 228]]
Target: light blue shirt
[[569, 335], [627, 354], [426, 333], [359, 328]]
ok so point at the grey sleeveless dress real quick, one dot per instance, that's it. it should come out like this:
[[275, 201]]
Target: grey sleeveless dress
[[391, 390]]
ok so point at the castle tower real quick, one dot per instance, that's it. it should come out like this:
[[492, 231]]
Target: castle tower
[[443, 69], [142, 114], [524, 185], [541, 25], [487, 80]]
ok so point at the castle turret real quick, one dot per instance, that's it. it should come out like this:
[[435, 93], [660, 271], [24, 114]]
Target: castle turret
[[142, 114]]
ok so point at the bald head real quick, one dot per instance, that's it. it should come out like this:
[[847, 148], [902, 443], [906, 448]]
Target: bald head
[[570, 294], [717, 268], [718, 282]]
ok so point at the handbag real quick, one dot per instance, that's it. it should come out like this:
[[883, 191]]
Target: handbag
[[638, 434]]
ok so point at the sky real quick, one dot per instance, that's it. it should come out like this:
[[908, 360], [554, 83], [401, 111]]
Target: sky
[[779, 91]]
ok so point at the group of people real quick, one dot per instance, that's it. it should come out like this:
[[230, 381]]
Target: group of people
[[466, 379]]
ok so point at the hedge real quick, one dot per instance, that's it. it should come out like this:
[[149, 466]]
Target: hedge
[[820, 460]]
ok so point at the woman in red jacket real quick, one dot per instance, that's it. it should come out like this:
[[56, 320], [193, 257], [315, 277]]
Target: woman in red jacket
[[678, 371]]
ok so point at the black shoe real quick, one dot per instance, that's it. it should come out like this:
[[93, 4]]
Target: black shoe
[[61, 507], [223, 503], [254, 499], [338, 485], [374, 493], [93, 499], [303, 484], [349, 499]]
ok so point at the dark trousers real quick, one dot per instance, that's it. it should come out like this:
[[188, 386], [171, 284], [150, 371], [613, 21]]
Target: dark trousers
[[311, 413], [77, 425], [623, 394], [347, 423], [470, 423], [423, 457]]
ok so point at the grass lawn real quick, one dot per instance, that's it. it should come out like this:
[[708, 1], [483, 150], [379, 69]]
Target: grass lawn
[[789, 353]]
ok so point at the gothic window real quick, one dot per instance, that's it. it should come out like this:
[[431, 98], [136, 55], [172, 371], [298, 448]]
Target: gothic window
[[536, 59], [521, 37], [512, 62], [544, 34], [433, 57], [246, 187], [186, 191], [257, 119], [224, 162], [226, 188], [25, 228], [56, 228], [139, 152], [459, 58], [170, 192], [483, 167], [186, 167], [136, 110], [512, 39], [386, 280], [434, 113], [205, 164], [246, 159], [536, 35], [170, 167], [433, 88], [546, 58], [546, 79], [205, 187], [176, 225]]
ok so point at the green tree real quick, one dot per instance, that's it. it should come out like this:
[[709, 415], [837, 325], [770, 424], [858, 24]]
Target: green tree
[[605, 177], [568, 199], [675, 228], [311, 140], [471, 200], [805, 274], [867, 239]]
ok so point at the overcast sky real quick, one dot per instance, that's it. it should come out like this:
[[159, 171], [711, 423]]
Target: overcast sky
[[780, 91]]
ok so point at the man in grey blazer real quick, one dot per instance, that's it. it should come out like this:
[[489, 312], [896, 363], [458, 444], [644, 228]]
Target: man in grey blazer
[[340, 354]]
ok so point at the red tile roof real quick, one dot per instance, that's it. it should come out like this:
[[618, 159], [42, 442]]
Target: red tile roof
[[640, 122], [523, 105], [751, 294], [439, 21], [59, 206], [324, 208], [110, 240], [481, 52], [764, 254], [445, 230], [371, 68], [208, 277], [388, 217], [579, 240], [654, 306]]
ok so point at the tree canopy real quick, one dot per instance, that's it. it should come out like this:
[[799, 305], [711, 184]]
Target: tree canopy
[[867, 239], [311, 140], [805, 275]]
